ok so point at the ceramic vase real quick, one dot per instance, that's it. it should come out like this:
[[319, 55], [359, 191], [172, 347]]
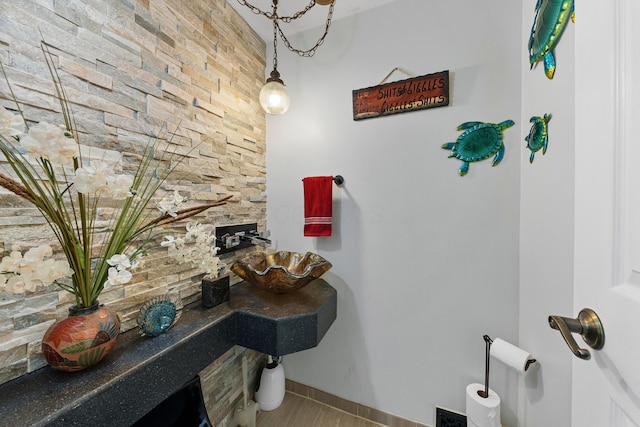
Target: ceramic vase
[[82, 339]]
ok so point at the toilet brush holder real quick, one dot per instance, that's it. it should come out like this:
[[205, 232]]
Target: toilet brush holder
[[272, 386], [245, 416]]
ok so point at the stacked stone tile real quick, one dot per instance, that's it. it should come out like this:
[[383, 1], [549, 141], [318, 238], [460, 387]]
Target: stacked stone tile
[[135, 70]]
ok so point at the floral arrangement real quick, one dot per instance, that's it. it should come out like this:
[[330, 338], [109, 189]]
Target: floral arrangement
[[72, 190], [197, 248]]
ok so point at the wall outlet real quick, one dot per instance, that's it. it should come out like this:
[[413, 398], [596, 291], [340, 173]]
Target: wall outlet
[[446, 418]]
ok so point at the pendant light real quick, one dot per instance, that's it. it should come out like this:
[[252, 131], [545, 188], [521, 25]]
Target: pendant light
[[274, 97]]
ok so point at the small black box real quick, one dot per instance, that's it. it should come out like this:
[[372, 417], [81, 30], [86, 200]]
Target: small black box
[[215, 292]]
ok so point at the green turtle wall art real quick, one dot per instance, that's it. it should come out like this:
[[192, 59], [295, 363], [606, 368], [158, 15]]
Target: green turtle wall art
[[551, 19], [479, 141], [538, 137]]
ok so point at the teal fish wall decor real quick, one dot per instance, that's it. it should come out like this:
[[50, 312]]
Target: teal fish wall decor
[[538, 137], [479, 141], [550, 21]]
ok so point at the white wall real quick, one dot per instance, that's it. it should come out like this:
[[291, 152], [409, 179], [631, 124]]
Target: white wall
[[546, 233], [425, 262]]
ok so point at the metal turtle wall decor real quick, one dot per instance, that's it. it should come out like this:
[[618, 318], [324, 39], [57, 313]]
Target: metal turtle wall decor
[[550, 21], [538, 137], [479, 141], [158, 314]]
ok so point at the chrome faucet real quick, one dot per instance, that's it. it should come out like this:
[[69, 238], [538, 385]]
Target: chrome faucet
[[252, 237], [257, 238]]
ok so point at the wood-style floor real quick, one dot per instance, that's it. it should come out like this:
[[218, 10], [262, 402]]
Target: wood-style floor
[[298, 411]]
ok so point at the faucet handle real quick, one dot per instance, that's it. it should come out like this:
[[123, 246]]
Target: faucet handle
[[230, 241]]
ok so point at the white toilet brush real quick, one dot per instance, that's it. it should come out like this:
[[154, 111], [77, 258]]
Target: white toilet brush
[[245, 415]]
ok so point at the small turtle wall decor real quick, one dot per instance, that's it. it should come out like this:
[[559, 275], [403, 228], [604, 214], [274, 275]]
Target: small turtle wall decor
[[538, 137], [479, 141], [158, 314], [550, 21]]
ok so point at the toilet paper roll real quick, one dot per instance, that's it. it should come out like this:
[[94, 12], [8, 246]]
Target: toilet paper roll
[[512, 356], [482, 412]]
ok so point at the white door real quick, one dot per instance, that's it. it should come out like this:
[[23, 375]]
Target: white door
[[606, 389]]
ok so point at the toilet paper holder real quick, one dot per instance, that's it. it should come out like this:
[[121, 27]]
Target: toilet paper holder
[[488, 341]]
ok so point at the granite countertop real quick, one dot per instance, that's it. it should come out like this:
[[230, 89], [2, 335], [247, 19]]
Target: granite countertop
[[140, 372]]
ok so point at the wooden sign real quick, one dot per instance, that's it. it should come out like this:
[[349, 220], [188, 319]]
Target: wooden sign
[[413, 94]]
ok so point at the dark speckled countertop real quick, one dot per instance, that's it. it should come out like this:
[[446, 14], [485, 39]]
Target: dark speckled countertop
[[140, 372]]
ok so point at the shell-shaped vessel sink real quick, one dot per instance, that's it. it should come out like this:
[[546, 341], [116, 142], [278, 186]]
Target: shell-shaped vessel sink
[[281, 272]]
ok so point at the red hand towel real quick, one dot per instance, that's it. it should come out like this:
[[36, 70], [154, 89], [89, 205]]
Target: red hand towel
[[317, 205]]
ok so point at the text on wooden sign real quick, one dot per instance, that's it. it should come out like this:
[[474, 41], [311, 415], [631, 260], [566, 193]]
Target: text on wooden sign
[[416, 93]]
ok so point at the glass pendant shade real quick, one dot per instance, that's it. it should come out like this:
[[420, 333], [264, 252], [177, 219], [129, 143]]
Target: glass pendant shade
[[274, 97]]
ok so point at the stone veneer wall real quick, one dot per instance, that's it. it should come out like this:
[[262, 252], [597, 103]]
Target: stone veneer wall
[[222, 383], [133, 70]]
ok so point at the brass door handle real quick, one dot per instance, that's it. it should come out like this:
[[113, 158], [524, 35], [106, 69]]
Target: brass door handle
[[587, 324]]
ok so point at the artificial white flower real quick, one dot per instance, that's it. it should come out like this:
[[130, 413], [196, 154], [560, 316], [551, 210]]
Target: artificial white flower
[[120, 186], [168, 208], [117, 277], [63, 150], [99, 179], [171, 207], [12, 262], [196, 249], [194, 230], [178, 199], [10, 124], [56, 269], [15, 285], [49, 141], [93, 179], [210, 264], [34, 269], [35, 255], [120, 262], [170, 242]]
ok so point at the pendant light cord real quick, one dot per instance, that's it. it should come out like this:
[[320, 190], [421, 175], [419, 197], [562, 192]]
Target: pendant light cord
[[275, 35]]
